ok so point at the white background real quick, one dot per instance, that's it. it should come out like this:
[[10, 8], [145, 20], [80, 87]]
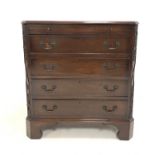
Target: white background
[[12, 78]]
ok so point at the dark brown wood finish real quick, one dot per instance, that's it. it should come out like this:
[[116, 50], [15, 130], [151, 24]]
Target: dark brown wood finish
[[79, 74], [76, 66], [79, 43], [78, 88], [88, 109]]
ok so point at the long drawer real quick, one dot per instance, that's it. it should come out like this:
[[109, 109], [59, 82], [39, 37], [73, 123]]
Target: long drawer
[[78, 88], [79, 67], [80, 108], [77, 28], [79, 43]]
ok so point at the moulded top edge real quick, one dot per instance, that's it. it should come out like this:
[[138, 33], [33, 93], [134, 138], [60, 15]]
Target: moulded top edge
[[80, 22]]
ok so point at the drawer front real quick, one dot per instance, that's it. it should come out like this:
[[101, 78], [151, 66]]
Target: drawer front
[[77, 66], [80, 108], [77, 28], [65, 29], [78, 88], [78, 43]]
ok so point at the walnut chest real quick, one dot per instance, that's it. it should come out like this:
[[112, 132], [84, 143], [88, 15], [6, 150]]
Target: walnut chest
[[79, 74]]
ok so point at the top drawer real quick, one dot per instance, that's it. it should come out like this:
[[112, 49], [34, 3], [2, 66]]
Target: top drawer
[[77, 28]]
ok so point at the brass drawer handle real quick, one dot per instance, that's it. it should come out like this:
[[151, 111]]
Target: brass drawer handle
[[115, 87], [48, 89], [47, 45], [49, 67], [105, 108], [107, 46], [111, 66], [45, 107]]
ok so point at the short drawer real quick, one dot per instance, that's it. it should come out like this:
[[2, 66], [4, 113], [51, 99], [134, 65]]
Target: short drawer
[[80, 109], [79, 67], [78, 88], [65, 28], [122, 29], [79, 43]]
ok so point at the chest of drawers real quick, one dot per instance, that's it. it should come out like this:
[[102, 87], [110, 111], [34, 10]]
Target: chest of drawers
[[79, 74]]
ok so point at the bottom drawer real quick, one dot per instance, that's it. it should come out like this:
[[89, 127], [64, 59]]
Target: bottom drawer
[[80, 108]]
